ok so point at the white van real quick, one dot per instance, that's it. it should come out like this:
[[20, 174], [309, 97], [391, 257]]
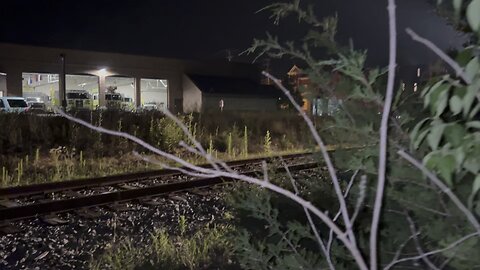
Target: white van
[[13, 104]]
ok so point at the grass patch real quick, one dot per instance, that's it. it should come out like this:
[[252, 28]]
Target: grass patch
[[209, 247]]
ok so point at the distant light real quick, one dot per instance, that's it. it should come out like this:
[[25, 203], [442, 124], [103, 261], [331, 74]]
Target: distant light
[[415, 87], [419, 72]]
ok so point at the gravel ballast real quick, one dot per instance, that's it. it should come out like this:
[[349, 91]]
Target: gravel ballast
[[74, 244]]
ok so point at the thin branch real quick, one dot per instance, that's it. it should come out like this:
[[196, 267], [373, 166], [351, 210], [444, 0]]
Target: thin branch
[[326, 157], [452, 63], [401, 247], [310, 220], [351, 246], [265, 170], [418, 246], [330, 235], [382, 164], [179, 169], [439, 183], [361, 198], [196, 143], [133, 139], [418, 257]]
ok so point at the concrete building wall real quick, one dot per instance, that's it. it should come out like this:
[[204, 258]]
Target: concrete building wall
[[192, 96], [3, 84], [15, 59], [238, 103]]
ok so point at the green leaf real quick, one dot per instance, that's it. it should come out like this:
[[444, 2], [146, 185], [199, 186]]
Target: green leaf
[[437, 97], [473, 15], [446, 167], [456, 105], [470, 97], [441, 104], [473, 124], [416, 129], [464, 56], [420, 138], [459, 155], [454, 134], [474, 111], [472, 68], [435, 136], [428, 90], [472, 166], [475, 189], [476, 185]]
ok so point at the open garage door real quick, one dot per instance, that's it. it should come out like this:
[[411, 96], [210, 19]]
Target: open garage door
[[39, 89], [120, 93], [154, 94]]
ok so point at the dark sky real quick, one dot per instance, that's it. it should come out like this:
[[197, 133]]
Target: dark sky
[[204, 29]]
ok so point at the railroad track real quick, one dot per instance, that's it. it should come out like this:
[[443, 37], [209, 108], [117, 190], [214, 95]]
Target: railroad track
[[46, 200]]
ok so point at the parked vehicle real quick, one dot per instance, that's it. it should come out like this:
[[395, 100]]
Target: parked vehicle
[[13, 104], [150, 106], [76, 100], [114, 101], [36, 104], [128, 104]]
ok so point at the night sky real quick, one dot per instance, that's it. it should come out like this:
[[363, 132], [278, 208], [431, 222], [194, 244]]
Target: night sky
[[206, 29]]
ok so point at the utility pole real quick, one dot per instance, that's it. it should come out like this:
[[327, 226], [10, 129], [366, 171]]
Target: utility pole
[[63, 89]]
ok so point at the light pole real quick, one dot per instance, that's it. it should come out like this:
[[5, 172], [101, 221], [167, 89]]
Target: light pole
[[63, 88]]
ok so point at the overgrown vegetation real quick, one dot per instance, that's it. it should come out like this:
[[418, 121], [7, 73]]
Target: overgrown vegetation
[[207, 248], [418, 216], [38, 149]]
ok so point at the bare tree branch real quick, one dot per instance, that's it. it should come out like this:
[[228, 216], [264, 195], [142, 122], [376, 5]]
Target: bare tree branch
[[452, 63], [196, 143], [418, 257], [382, 164], [418, 246], [401, 247], [310, 220], [361, 197], [196, 170], [345, 195], [326, 156], [439, 183]]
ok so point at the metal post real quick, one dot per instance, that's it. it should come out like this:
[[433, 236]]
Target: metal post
[[63, 84]]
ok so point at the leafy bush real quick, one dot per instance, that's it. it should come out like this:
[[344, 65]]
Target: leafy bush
[[418, 215]]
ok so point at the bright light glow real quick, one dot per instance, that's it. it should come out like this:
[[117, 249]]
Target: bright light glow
[[3, 74], [415, 87], [102, 72], [419, 72]]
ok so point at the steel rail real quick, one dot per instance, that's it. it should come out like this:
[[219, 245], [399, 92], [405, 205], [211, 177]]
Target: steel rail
[[22, 191], [84, 201]]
